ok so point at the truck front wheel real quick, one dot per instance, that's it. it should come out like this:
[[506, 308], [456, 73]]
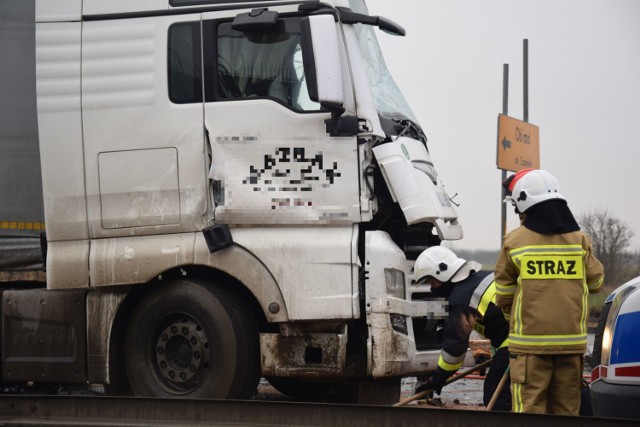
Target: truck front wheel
[[189, 339]]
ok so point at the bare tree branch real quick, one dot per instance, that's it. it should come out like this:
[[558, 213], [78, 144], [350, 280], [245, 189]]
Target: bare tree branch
[[610, 238]]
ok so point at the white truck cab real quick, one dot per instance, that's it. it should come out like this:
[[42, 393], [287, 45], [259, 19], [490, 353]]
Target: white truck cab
[[235, 189]]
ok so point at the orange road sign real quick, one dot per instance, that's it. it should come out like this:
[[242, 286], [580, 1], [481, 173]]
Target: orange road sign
[[518, 144]]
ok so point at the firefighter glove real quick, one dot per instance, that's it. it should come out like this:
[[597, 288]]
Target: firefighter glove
[[433, 382]]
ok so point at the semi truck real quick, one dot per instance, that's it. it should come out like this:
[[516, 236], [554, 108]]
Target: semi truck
[[196, 194]]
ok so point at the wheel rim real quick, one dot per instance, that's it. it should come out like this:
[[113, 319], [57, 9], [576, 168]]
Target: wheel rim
[[182, 354]]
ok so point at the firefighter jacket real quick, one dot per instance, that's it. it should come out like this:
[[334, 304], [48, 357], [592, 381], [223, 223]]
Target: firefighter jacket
[[471, 306], [542, 282]]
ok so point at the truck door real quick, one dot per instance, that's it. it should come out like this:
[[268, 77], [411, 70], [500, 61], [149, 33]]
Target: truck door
[[272, 160]]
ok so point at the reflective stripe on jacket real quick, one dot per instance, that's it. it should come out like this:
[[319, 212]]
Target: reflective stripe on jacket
[[542, 283]]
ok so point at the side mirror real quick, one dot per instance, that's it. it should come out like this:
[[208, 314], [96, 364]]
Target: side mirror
[[321, 58], [390, 27]]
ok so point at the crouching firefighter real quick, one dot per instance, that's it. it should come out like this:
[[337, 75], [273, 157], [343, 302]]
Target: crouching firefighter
[[471, 304]]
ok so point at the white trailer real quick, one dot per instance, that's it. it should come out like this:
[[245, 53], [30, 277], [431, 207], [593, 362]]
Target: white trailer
[[232, 189]]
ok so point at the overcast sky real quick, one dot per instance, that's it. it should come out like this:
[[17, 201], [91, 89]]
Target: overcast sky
[[584, 94]]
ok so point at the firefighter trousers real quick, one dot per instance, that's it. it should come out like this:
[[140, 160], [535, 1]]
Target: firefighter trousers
[[497, 368], [546, 384]]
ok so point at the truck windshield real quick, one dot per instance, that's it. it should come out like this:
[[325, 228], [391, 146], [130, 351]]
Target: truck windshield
[[390, 102]]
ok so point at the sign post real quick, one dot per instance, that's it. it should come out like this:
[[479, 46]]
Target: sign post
[[518, 141]]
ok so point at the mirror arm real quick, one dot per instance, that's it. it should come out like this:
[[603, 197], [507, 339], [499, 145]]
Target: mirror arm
[[347, 16], [312, 6], [336, 110]]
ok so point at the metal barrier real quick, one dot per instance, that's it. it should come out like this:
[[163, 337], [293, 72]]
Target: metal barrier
[[110, 411]]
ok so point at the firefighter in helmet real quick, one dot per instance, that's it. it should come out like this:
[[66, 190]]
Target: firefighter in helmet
[[544, 272], [470, 293]]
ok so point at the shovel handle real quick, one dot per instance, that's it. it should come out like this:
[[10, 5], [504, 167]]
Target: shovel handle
[[498, 390], [449, 381]]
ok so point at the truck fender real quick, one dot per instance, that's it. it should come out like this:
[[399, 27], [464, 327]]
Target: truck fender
[[241, 264]]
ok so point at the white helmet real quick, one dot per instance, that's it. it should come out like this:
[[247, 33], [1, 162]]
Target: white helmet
[[438, 262], [530, 187]]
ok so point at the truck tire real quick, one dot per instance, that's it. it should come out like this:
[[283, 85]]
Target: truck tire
[[193, 340]]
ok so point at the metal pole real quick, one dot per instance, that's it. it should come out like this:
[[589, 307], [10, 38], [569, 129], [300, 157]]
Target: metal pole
[[505, 111], [505, 89], [525, 78]]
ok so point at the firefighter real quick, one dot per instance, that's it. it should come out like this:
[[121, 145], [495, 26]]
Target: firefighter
[[471, 304], [544, 272]]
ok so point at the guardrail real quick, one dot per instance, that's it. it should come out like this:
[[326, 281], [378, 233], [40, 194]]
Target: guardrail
[[118, 411]]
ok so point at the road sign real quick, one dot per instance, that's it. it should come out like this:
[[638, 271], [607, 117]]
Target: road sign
[[518, 144]]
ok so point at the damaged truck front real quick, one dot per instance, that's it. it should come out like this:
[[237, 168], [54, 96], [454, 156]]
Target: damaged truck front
[[230, 191]]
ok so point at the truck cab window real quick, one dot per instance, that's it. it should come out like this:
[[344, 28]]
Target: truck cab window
[[185, 84], [265, 64]]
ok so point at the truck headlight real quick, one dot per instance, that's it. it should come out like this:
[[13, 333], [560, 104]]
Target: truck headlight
[[395, 283]]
